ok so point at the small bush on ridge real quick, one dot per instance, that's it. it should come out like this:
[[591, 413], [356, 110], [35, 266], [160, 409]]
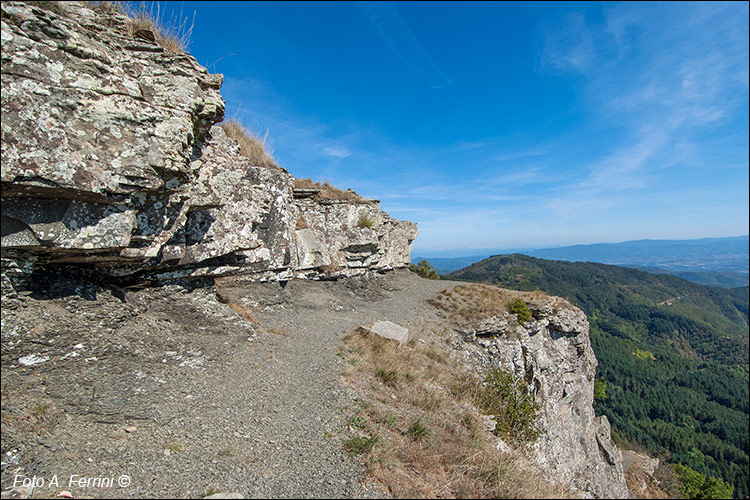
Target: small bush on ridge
[[424, 269], [520, 309], [507, 398]]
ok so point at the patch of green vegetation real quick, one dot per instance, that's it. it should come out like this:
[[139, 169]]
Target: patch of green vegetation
[[697, 485], [387, 375], [424, 269], [359, 444], [520, 309], [507, 398], [600, 388], [644, 355], [417, 430], [365, 220], [211, 491], [357, 422]]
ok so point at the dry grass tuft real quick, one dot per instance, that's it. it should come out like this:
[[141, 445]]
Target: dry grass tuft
[[108, 8], [147, 21], [418, 405], [331, 268], [279, 332], [224, 295], [56, 7], [251, 147], [243, 312], [365, 221], [328, 192], [175, 446], [24, 408]]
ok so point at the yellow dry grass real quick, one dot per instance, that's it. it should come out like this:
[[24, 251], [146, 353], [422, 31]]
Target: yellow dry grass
[[431, 442], [251, 147], [328, 192], [173, 35], [301, 223], [473, 303]]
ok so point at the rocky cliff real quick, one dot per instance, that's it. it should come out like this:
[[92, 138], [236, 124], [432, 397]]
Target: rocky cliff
[[112, 159], [552, 353]]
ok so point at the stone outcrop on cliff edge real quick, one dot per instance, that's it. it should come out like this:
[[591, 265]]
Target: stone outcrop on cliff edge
[[111, 158], [552, 353]]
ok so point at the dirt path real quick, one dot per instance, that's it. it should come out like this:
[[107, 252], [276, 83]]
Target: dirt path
[[186, 398]]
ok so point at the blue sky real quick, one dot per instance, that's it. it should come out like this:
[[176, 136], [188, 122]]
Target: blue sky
[[501, 125]]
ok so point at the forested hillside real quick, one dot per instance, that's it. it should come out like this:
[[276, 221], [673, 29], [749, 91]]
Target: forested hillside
[[673, 355]]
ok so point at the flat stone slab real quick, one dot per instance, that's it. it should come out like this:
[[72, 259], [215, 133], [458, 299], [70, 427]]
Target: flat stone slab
[[389, 330]]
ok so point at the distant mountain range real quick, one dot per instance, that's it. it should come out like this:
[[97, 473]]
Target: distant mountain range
[[708, 261]]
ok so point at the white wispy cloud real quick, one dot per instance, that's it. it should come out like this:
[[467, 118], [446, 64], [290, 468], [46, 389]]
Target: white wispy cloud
[[339, 152], [660, 87], [514, 155], [568, 48], [396, 34]]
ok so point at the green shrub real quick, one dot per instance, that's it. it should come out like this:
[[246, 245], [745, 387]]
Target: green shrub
[[600, 388], [425, 270], [507, 398], [519, 308]]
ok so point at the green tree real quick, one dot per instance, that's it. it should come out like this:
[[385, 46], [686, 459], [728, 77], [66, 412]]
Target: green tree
[[696, 485], [600, 388], [425, 270]]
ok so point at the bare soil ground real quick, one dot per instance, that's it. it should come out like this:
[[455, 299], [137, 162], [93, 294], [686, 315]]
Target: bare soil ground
[[182, 392]]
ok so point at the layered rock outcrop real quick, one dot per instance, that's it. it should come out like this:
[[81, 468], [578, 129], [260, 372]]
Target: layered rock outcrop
[[111, 158], [552, 353]]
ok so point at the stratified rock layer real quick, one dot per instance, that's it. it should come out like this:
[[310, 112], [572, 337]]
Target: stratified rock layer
[[111, 158], [553, 354]]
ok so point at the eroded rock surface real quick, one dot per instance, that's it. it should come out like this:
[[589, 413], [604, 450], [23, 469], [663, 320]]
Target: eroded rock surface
[[553, 354], [111, 158]]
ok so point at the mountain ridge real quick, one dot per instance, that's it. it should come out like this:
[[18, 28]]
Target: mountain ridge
[[709, 261]]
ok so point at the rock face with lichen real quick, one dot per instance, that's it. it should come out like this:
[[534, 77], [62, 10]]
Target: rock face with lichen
[[552, 353], [112, 159]]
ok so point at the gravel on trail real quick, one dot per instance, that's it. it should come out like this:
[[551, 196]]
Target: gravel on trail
[[178, 395]]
